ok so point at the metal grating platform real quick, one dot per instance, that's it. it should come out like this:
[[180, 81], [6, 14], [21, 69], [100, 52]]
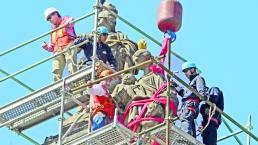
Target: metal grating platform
[[42, 104], [117, 134], [111, 134], [79, 130], [177, 136]]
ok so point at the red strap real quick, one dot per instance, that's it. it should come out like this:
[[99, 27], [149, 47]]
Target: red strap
[[145, 106], [144, 119], [155, 68], [191, 109], [193, 100], [215, 120], [146, 102]]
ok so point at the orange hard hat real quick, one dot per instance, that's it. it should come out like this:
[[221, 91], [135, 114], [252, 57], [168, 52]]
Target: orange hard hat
[[105, 73]]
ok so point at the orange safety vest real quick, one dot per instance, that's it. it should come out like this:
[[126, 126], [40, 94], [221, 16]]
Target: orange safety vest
[[103, 104], [60, 38]]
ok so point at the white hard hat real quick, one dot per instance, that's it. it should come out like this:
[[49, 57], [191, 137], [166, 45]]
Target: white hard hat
[[49, 11]]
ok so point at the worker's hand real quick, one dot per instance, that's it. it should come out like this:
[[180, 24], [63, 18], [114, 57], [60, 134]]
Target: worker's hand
[[79, 40], [173, 83], [87, 110], [200, 128], [45, 45], [90, 84], [68, 20], [206, 111]]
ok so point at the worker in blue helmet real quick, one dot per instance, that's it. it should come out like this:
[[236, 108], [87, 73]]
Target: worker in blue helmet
[[190, 102], [103, 51]]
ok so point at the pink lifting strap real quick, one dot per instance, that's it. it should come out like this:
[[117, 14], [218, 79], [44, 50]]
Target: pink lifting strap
[[145, 119], [155, 68], [137, 103], [145, 103]]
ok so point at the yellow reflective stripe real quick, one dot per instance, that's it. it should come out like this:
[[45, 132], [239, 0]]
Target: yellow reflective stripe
[[60, 32], [53, 37]]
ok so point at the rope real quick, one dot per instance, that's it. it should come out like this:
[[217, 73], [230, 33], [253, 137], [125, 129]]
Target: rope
[[211, 113]]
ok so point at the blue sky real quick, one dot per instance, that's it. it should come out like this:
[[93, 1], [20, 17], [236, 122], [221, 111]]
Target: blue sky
[[219, 36]]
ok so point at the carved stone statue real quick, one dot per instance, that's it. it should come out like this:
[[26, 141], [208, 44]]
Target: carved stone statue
[[122, 47], [123, 92], [147, 85]]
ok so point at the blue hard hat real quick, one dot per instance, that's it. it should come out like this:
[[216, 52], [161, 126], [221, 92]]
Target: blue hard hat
[[188, 65], [102, 30]]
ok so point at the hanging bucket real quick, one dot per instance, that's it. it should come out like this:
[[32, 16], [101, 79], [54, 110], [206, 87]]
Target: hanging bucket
[[169, 15]]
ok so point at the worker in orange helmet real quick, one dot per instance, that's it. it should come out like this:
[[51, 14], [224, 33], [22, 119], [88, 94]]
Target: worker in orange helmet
[[60, 41], [102, 108]]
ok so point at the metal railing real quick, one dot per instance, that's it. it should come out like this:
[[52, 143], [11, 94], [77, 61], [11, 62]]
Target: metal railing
[[43, 35]]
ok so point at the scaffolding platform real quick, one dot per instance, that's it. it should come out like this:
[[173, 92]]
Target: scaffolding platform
[[176, 136], [79, 130], [117, 134], [111, 134], [44, 103]]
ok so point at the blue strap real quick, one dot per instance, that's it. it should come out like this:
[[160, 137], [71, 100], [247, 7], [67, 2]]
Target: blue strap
[[172, 35]]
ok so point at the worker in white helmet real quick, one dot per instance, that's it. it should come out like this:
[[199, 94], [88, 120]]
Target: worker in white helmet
[[61, 40]]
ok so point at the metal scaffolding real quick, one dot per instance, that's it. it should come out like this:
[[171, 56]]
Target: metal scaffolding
[[70, 92]]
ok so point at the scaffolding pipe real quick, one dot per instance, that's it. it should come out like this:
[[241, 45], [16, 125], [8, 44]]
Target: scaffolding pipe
[[30, 89], [17, 81], [231, 131], [142, 32], [24, 85], [95, 39], [115, 118], [26, 137], [116, 73], [76, 100], [61, 114], [151, 129], [208, 102], [72, 125], [249, 127], [168, 92], [45, 34], [40, 62], [230, 135]]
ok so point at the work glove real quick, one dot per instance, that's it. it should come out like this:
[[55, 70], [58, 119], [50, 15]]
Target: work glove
[[46, 47], [173, 83], [79, 40]]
